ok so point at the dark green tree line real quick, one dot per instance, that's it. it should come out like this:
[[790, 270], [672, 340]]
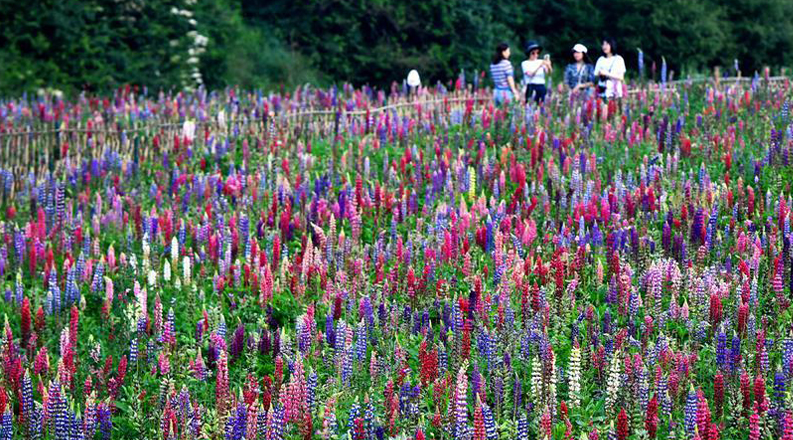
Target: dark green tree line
[[102, 44]]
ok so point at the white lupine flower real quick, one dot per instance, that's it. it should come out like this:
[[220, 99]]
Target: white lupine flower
[[613, 383], [552, 385], [575, 376], [536, 381], [146, 248], [131, 313], [166, 271], [174, 249], [186, 269], [152, 278], [188, 129]]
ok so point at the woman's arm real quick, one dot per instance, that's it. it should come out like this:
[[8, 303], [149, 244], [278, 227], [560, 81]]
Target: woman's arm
[[511, 82], [542, 65]]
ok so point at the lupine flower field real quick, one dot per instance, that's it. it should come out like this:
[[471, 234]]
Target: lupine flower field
[[307, 264]]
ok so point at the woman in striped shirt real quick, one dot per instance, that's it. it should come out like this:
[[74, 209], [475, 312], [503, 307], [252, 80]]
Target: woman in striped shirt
[[503, 76]]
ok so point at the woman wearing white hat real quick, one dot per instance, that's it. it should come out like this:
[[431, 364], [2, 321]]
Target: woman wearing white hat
[[579, 76]]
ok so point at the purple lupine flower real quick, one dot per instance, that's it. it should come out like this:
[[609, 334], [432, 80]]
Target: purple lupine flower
[[76, 427], [690, 416], [133, 349], [666, 402], [779, 392], [105, 422], [355, 412], [35, 425], [721, 350], [238, 341], [61, 415], [7, 426], [523, 428], [346, 372], [735, 354], [490, 425], [27, 394], [311, 386], [368, 417]]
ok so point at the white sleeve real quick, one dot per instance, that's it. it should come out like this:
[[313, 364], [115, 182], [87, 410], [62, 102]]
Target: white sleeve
[[598, 66], [524, 66], [619, 66]]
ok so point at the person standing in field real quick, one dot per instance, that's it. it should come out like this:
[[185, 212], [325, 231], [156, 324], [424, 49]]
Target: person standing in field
[[610, 71], [579, 76], [503, 76], [534, 72]]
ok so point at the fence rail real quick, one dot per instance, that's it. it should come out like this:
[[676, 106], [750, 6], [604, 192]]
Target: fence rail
[[41, 146], [310, 113]]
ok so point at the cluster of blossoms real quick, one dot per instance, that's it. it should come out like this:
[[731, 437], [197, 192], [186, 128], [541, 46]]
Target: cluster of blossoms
[[446, 270]]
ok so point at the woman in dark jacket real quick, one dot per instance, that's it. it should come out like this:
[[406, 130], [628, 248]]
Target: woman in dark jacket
[[579, 76]]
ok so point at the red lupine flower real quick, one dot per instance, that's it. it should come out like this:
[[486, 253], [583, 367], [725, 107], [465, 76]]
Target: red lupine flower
[[787, 426], [746, 391], [622, 425], [651, 420], [479, 422], [715, 309], [754, 426], [718, 392], [759, 393], [25, 322]]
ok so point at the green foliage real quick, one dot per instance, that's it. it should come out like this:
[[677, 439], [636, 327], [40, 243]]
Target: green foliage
[[102, 44], [378, 42], [76, 44]]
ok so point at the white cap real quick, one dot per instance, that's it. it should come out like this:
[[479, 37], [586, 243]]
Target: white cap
[[579, 48], [413, 78]]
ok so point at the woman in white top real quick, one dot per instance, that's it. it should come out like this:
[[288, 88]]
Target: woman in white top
[[534, 72], [610, 71]]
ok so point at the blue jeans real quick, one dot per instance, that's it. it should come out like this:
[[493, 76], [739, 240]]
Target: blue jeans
[[502, 96]]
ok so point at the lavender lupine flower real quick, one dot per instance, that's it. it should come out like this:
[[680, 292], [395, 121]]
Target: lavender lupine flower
[[346, 372], [460, 431]]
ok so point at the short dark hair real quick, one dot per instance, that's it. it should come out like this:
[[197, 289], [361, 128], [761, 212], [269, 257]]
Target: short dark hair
[[612, 43], [499, 55]]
